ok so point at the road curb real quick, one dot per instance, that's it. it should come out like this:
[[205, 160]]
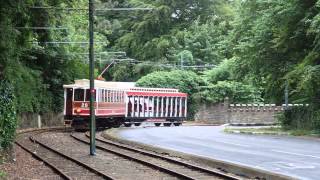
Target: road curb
[[252, 124], [257, 133], [240, 170]]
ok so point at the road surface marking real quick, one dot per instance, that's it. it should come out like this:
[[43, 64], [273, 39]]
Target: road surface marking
[[288, 165], [235, 144], [297, 154]]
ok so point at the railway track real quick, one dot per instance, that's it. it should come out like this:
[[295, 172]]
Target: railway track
[[102, 166], [65, 166], [179, 169], [66, 154]]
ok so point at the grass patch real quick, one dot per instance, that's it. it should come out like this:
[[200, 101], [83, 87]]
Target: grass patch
[[3, 158], [2, 174], [273, 131]]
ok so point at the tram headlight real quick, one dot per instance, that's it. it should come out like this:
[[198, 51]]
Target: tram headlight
[[78, 110]]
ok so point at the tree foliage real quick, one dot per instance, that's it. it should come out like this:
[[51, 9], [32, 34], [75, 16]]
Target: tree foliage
[[257, 46], [277, 41], [237, 92], [8, 119], [174, 31], [38, 69]]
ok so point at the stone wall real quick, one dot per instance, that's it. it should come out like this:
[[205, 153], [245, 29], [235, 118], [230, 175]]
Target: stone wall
[[223, 113], [33, 120]]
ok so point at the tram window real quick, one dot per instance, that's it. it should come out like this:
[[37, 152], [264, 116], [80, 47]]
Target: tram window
[[88, 95], [109, 96], [118, 96], [115, 96], [105, 95], [183, 102], [78, 95], [101, 95]]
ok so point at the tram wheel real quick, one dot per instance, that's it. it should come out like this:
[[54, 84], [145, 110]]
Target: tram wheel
[[116, 125], [157, 124], [177, 124], [167, 124], [137, 124], [127, 124]]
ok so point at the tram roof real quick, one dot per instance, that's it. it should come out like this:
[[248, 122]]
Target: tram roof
[[85, 83], [128, 86]]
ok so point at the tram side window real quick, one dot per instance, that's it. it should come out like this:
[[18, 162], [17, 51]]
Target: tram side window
[[101, 95], [183, 106], [78, 95], [110, 96], [88, 95], [115, 96]]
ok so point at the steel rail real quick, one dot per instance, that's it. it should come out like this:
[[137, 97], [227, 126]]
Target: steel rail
[[165, 170], [52, 166], [104, 175], [216, 173], [45, 129]]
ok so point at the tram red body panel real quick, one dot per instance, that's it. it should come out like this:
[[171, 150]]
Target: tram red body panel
[[104, 108]]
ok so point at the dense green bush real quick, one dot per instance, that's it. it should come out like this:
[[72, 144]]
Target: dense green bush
[[236, 91], [220, 83], [222, 72], [8, 118], [186, 81], [300, 118]]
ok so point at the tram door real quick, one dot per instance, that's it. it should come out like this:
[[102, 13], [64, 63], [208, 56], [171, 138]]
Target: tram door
[[69, 101]]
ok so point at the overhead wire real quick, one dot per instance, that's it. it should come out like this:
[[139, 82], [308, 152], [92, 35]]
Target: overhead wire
[[43, 28], [127, 60], [86, 9]]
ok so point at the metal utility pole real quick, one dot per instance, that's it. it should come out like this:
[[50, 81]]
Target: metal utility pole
[[286, 95], [92, 90], [181, 61]]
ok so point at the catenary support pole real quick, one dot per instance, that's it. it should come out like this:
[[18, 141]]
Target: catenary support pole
[[92, 90], [39, 121], [286, 95], [181, 62]]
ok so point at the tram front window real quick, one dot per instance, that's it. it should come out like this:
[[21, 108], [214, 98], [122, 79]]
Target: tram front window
[[78, 95]]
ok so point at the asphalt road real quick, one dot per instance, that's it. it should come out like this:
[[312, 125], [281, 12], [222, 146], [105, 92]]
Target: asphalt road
[[296, 157]]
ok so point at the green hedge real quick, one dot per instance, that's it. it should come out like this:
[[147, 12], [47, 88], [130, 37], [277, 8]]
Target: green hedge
[[8, 117], [236, 91], [300, 118]]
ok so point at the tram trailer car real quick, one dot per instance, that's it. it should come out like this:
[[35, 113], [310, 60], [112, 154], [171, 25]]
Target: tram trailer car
[[118, 103]]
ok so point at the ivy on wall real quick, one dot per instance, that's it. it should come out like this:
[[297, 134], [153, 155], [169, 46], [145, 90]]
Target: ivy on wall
[[8, 118]]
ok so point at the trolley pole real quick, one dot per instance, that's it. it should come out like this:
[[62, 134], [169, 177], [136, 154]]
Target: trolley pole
[[92, 90]]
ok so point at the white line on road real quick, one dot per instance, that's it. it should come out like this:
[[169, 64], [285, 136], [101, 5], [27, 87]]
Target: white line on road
[[235, 144], [297, 154]]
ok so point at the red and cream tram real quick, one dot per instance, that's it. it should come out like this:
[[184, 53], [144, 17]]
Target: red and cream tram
[[118, 103]]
